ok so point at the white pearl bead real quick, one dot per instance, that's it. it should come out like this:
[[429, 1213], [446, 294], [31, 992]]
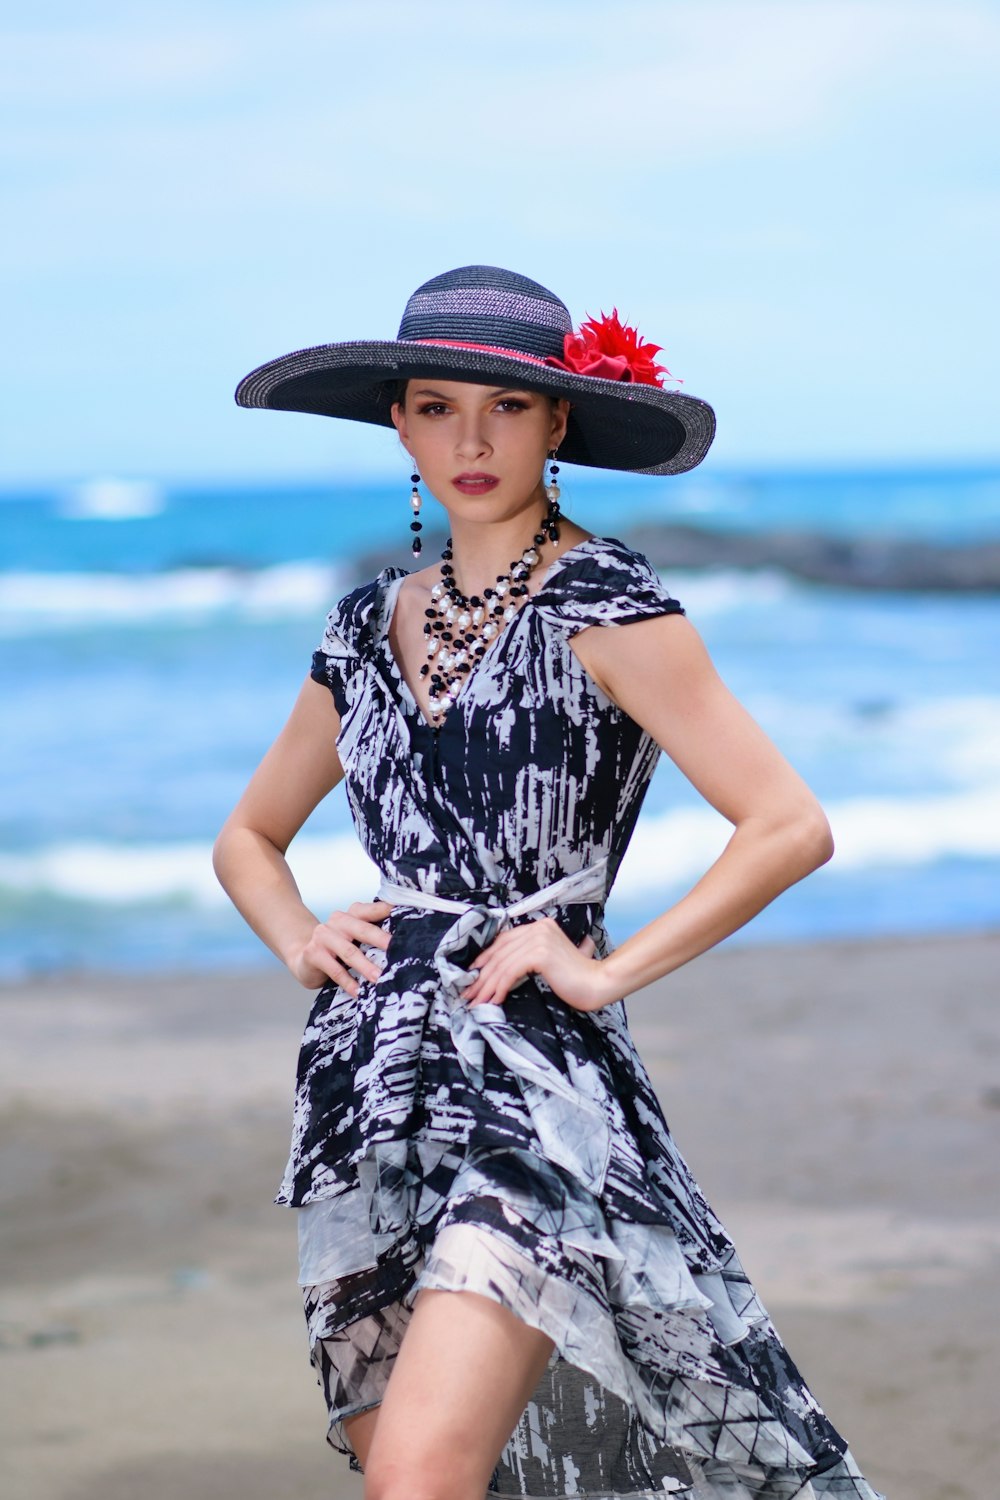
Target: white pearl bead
[[510, 612]]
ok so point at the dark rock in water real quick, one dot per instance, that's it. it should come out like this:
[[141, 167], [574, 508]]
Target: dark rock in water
[[863, 562], [866, 562], [53, 1333], [873, 709], [395, 552]]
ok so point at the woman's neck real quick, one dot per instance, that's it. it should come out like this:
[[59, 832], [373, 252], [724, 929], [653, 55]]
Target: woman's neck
[[482, 552]]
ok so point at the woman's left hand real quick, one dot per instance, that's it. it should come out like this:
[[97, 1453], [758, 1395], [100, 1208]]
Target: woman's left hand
[[540, 947]]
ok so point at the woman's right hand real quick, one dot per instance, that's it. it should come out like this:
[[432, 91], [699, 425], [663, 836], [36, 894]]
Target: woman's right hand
[[333, 950]]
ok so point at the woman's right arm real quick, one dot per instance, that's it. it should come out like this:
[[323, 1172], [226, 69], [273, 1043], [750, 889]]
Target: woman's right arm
[[297, 772]]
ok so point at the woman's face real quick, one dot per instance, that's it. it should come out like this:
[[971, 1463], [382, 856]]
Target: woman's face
[[480, 449]]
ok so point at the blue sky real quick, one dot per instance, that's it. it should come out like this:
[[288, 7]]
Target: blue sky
[[798, 199]]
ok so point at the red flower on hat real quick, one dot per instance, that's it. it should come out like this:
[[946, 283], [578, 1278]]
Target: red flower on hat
[[610, 350]]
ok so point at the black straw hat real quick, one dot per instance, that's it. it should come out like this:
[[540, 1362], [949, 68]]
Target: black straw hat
[[484, 324]]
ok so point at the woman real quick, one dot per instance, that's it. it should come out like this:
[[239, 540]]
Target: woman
[[511, 1279]]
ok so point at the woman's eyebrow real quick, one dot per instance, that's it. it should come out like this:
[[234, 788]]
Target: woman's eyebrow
[[501, 390]]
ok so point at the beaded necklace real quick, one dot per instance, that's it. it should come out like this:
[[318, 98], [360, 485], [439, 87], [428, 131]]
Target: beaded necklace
[[459, 628]]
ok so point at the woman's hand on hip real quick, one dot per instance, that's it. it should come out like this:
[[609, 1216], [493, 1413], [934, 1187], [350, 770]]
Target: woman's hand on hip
[[540, 947], [333, 950]]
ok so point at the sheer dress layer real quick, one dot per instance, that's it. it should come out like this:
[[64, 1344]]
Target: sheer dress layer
[[520, 1151]]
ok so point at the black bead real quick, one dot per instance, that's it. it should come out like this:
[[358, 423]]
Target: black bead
[[539, 538], [416, 548], [475, 599], [415, 526], [431, 613], [424, 670]]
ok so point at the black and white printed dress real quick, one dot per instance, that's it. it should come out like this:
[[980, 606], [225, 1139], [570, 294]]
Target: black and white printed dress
[[519, 1151]]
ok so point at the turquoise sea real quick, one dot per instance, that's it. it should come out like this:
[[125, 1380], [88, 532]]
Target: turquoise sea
[[153, 640]]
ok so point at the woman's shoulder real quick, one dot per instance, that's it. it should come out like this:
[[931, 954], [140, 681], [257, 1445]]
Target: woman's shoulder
[[351, 618], [609, 546], [604, 581]]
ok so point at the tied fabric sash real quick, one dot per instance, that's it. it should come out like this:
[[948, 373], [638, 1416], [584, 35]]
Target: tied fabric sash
[[582, 886], [565, 1107]]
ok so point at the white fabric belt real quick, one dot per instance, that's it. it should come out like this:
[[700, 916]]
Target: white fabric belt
[[586, 885]]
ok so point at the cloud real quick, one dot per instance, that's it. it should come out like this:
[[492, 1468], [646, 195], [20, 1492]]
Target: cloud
[[745, 176], [171, 136], [724, 74]]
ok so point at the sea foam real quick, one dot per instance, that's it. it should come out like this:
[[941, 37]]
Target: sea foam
[[35, 603], [328, 868], [111, 500], [668, 852]]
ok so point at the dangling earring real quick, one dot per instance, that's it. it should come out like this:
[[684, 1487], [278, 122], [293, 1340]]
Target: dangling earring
[[415, 504], [552, 491]]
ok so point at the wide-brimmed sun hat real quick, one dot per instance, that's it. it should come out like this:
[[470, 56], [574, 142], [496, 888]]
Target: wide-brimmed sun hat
[[490, 326]]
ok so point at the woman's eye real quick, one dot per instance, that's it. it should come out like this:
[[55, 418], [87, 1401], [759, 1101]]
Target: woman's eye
[[432, 409], [511, 403]]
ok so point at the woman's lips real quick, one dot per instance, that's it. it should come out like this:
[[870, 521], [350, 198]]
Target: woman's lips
[[475, 484]]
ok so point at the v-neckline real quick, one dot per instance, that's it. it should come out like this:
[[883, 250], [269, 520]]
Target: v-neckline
[[386, 614]]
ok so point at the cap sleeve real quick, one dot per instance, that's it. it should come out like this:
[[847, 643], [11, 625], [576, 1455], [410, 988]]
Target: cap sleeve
[[604, 582], [331, 652], [347, 637]]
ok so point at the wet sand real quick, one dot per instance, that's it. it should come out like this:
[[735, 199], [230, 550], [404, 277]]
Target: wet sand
[[840, 1105]]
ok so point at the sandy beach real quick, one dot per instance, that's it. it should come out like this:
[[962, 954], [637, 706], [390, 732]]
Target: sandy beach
[[840, 1105]]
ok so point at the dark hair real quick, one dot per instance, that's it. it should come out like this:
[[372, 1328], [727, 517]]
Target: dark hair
[[390, 391]]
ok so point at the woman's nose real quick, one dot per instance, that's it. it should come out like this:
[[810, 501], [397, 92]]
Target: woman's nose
[[472, 441]]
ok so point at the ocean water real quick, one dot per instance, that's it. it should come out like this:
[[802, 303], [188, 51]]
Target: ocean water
[[153, 640]]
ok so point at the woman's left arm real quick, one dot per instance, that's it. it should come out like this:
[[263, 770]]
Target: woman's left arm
[[660, 673]]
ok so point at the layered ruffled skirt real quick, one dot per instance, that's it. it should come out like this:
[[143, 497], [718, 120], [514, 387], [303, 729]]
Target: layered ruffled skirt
[[520, 1152]]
